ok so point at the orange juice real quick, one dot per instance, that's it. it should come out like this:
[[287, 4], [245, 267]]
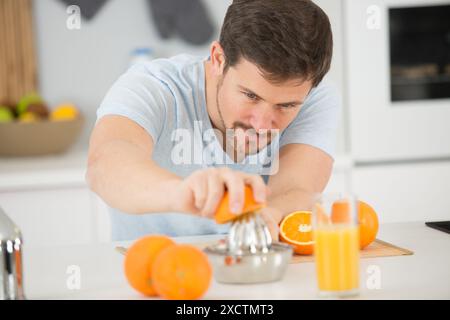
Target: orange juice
[[336, 251]]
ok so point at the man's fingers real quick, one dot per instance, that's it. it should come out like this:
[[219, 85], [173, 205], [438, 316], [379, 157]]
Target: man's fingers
[[272, 218], [200, 189], [235, 185], [260, 189], [273, 227], [216, 190], [208, 188], [275, 233]]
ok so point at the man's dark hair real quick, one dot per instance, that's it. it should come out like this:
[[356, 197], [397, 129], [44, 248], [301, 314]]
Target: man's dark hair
[[286, 39]]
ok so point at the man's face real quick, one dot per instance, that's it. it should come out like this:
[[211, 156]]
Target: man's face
[[251, 105]]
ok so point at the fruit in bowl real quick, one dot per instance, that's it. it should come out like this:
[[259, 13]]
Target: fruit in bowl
[[64, 112], [32, 108], [6, 114], [32, 104], [28, 117], [31, 128]]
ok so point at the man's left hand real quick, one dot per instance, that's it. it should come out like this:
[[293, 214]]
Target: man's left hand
[[272, 217]]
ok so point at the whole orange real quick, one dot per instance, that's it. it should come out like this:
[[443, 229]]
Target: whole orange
[[182, 272], [368, 224], [367, 219], [296, 230], [223, 212], [341, 212], [139, 260]]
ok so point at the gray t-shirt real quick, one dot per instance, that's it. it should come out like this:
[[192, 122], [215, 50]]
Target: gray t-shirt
[[167, 98]]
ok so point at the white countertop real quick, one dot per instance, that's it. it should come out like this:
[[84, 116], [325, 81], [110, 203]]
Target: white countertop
[[424, 275]]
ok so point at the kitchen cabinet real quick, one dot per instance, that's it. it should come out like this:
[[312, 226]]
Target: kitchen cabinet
[[52, 216], [341, 176], [48, 199], [405, 192], [381, 129], [63, 216]]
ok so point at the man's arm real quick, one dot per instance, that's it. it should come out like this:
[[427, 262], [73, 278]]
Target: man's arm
[[122, 172], [120, 169], [303, 171]]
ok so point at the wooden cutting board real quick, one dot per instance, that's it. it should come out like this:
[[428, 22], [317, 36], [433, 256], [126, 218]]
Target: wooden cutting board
[[378, 248]]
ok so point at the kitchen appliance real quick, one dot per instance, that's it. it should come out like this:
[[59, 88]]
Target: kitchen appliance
[[397, 80], [249, 255], [419, 41], [11, 279], [443, 226]]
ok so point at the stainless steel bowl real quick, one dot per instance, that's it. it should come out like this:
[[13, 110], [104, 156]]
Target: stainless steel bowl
[[249, 268]]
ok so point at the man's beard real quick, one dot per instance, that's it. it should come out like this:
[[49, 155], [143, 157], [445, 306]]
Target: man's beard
[[240, 139]]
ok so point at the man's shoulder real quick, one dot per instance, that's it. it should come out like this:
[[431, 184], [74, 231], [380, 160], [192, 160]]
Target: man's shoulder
[[323, 102], [325, 90], [325, 96], [182, 65]]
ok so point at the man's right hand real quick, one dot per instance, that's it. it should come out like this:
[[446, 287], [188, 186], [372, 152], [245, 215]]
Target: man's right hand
[[201, 192]]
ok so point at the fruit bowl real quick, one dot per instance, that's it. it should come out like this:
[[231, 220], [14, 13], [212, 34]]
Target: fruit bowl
[[19, 139]]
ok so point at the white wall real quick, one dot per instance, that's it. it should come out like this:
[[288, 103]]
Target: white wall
[[334, 10], [80, 65]]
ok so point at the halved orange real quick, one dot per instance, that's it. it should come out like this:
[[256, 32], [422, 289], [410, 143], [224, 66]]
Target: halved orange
[[296, 230], [223, 212]]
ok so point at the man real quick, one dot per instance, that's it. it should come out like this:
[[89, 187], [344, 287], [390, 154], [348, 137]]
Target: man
[[263, 76]]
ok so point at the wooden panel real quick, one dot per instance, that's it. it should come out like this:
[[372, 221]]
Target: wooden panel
[[18, 71]]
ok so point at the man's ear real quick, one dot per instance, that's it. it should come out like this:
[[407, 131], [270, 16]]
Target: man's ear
[[218, 59]]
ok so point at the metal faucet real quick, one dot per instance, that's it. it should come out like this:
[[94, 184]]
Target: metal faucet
[[11, 279]]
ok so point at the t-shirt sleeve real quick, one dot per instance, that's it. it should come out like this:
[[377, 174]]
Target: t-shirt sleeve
[[317, 122], [140, 97]]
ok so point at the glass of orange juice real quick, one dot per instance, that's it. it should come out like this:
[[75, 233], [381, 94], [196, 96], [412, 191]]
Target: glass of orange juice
[[336, 244]]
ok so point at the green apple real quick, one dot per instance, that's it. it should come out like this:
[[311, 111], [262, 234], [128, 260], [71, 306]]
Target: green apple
[[6, 115], [28, 100]]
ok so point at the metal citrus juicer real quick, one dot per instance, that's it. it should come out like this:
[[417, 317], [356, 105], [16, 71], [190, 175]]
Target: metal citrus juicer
[[248, 254], [11, 279]]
